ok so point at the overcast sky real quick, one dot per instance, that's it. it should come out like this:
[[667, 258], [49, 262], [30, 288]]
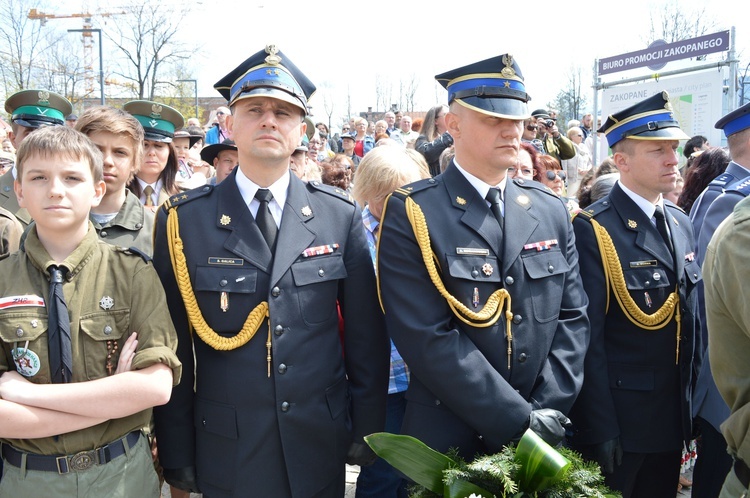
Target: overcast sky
[[348, 45]]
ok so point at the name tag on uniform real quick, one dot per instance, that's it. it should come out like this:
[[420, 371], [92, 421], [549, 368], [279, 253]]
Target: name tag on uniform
[[213, 260], [472, 251], [16, 301], [641, 264]]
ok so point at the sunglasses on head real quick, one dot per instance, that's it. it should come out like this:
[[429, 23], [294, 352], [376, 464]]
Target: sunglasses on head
[[552, 174]]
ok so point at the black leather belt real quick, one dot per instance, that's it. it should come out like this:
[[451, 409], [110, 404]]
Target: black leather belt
[[742, 472], [69, 463]]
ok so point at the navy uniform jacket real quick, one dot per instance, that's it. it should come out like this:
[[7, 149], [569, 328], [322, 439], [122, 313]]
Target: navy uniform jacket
[[461, 388], [633, 387], [733, 175], [287, 435]]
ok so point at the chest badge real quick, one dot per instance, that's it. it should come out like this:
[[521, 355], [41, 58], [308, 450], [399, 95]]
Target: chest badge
[[225, 220], [306, 211], [106, 303], [523, 200], [487, 269], [27, 362]]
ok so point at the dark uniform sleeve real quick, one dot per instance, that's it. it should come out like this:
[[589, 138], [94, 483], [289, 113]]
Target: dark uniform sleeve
[[174, 421], [422, 326], [594, 403]]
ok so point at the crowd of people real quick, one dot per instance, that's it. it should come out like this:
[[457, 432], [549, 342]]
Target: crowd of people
[[232, 309]]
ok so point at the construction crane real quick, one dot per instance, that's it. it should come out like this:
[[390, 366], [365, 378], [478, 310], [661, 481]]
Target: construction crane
[[86, 36]]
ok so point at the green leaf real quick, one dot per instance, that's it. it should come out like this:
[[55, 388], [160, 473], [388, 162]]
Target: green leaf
[[462, 489], [541, 464], [411, 456]]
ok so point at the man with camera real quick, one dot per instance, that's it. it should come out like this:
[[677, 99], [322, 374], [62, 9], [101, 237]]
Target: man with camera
[[555, 143]]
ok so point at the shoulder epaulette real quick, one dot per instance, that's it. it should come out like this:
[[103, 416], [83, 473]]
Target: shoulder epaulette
[[672, 205], [407, 190], [594, 209], [134, 251], [184, 197], [721, 181], [742, 188], [534, 185], [332, 191]]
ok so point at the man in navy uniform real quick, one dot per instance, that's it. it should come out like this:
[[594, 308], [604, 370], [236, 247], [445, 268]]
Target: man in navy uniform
[[639, 270], [254, 269], [29, 110], [717, 202], [483, 297]]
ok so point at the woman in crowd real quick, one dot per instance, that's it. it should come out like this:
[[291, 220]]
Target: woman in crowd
[[706, 166], [363, 143], [156, 180], [554, 178], [527, 166], [381, 172], [434, 137]]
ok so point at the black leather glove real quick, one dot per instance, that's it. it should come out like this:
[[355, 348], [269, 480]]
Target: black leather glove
[[360, 454], [549, 425], [184, 478], [607, 454]]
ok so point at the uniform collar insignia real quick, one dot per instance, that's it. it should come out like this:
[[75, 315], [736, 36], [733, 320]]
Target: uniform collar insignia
[[306, 211], [461, 201], [225, 220], [632, 224]]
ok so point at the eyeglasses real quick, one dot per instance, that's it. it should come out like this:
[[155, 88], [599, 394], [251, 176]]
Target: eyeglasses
[[220, 113], [532, 127], [552, 174]]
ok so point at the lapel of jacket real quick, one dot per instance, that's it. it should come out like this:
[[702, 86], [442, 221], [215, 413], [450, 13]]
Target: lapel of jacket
[[634, 219], [475, 212], [679, 241], [244, 238], [295, 235], [519, 223]]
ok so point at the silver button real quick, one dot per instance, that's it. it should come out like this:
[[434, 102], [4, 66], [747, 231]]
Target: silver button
[[223, 282], [509, 280], [19, 332], [103, 233], [474, 273], [138, 226], [517, 319], [656, 276], [107, 330], [275, 292], [282, 369], [522, 357], [278, 330], [34, 323], [550, 268], [285, 406], [321, 272]]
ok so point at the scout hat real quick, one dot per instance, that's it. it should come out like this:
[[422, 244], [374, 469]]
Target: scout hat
[[268, 73], [37, 108], [186, 134], [735, 121], [159, 121], [209, 152], [493, 86], [650, 119]]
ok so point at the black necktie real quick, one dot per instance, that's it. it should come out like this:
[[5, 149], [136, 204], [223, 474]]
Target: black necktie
[[661, 225], [264, 219], [58, 335], [493, 197]]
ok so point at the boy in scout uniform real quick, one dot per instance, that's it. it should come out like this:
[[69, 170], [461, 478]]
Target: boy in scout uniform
[[29, 110], [120, 219], [74, 312], [487, 310], [254, 269], [639, 270]]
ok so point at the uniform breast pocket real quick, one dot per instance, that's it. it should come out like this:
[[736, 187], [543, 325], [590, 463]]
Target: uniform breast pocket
[[546, 271], [693, 272], [103, 334], [317, 281], [475, 268], [649, 287], [24, 339]]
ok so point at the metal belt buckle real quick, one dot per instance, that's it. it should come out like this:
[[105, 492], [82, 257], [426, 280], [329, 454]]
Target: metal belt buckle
[[82, 460]]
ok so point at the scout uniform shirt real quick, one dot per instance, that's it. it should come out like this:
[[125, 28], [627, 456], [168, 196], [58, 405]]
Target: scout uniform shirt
[[132, 226], [110, 293]]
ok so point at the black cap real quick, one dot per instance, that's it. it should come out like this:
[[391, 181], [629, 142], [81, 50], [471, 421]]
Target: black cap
[[268, 73], [37, 108], [209, 152], [540, 113], [735, 121], [493, 86], [649, 119]]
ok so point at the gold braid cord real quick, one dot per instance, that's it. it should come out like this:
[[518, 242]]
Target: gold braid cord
[[615, 278], [197, 322], [491, 311]]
